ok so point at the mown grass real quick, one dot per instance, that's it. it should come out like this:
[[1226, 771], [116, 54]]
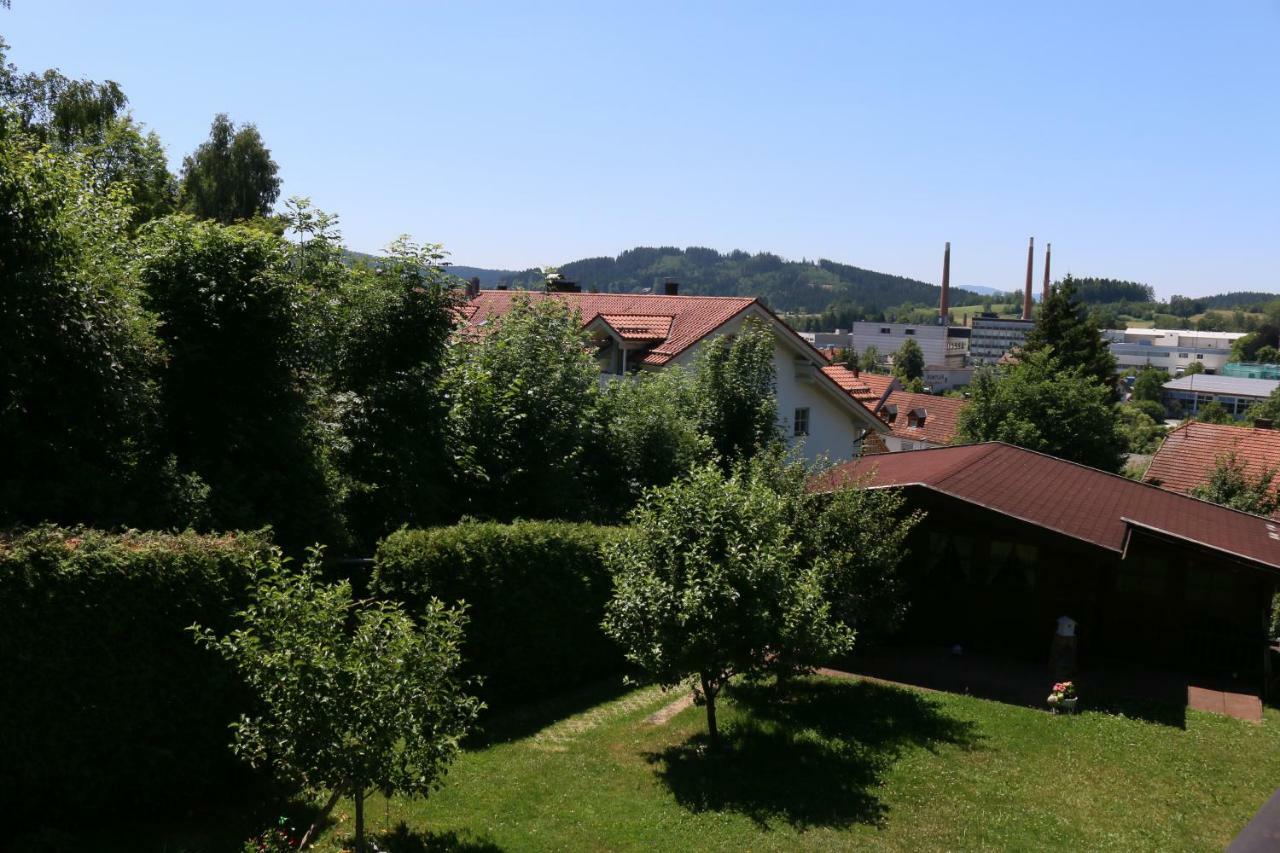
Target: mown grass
[[824, 764]]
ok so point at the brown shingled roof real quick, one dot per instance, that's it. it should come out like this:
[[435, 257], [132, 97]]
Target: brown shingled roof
[[691, 317], [1073, 500], [940, 415], [1189, 453]]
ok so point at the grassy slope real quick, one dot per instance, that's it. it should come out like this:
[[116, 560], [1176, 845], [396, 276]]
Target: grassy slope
[[838, 765]]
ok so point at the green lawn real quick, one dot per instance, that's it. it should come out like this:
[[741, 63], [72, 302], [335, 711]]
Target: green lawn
[[827, 764]]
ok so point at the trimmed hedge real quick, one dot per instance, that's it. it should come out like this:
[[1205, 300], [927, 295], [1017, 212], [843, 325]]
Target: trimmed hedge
[[535, 593], [107, 702]]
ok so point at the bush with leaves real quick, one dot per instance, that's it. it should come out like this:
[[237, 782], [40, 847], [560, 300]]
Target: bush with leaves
[[908, 361], [1141, 431], [735, 388], [1213, 412], [1232, 484], [352, 696]]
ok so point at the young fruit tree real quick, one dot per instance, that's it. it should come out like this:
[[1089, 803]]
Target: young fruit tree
[[710, 584], [352, 696]]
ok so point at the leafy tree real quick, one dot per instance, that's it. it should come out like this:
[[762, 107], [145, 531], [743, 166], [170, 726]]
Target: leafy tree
[[735, 388], [134, 159], [1231, 485], [237, 396], [1065, 326], [393, 412], [1213, 412], [646, 435], [231, 176], [77, 349], [1042, 405], [1149, 384], [1266, 354], [870, 361], [1150, 408], [351, 697], [521, 397], [908, 361], [1268, 409], [1142, 432], [1193, 368], [708, 586]]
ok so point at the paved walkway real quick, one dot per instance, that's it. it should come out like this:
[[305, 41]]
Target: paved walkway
[[1027, 683]]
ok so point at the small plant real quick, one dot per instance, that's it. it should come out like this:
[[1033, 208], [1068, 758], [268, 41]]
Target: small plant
[[1063, 693], [277, 839]]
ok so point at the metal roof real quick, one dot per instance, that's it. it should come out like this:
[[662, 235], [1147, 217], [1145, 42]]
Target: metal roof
[[1236, 386]]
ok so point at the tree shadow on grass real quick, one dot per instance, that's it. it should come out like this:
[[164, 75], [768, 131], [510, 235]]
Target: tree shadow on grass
[[808, 753], [402, 839], [506, 724]]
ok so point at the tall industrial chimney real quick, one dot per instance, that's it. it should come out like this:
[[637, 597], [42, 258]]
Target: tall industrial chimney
[[1026, 295], [1048, 251], [944, 303]]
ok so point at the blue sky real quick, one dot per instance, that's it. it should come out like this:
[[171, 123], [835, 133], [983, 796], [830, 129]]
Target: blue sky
[[1141, 139]]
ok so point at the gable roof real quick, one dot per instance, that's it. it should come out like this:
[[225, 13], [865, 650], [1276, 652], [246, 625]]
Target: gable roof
[[1074, 500], [866, 388], [940, 416], [688, 319], [1189, 453]]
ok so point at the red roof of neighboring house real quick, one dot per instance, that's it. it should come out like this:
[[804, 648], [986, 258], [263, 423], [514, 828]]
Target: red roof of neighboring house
[[691, 318], [1073, 500], [1189, 453], [855, 384], [639, 327], [940, 415]]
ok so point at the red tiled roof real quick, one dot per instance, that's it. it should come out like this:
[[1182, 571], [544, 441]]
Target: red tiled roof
[[691, 317], [1073, 500], [940, 415], [639, 327], [852, 384], [1189, 453]]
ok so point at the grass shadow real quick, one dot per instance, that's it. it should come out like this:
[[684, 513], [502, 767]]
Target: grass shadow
[[402, 839], [808, 753]]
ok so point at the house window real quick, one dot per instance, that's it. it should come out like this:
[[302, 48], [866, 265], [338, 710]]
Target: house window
[[1200, 356], [802, 421], [1182, 355]]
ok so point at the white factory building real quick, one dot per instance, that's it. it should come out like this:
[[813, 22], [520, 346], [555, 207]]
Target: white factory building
[[1172, 349]]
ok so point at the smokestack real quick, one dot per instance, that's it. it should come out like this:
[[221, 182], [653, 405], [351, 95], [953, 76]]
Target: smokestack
[[1026, 295], [1048, 251], [944, 303]]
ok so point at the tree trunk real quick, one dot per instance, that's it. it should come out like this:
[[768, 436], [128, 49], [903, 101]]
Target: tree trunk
[[359, 796], [320, 818], [709, 694]]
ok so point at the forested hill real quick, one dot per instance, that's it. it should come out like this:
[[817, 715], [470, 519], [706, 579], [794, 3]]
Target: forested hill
[[793, 286]]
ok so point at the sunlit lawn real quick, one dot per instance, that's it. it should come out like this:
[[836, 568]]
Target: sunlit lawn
[[826, 764]]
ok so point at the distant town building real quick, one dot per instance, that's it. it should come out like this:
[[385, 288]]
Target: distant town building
[[1172, 349], [1234, 393], [838, 339], [991, 337], [943, 346]]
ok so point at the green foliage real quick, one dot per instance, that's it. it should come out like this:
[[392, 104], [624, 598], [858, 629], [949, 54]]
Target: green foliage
[[1268, 408], [647, 435], [1213, 412], [351, 696], [535, 593], [56, 109], [77, 350], [394, 416], [1231, 485], [1141, 431], [1150, 408], [236, 392], [1149, 385], [1043, 406], [870, 361], [107, 705], [231, 176], [520, 399], [908, 361], [1065, 326], [1193, 368], [709, 584], [1101, 290], [735, 391]]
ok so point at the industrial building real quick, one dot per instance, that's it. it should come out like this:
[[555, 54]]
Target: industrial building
[[1172, 349], [1234, 393]]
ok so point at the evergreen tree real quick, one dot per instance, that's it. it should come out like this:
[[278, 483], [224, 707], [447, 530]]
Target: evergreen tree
[[1065, 325]]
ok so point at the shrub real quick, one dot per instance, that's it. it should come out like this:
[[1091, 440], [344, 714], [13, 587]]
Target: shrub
[[107, 703], [535, 592]]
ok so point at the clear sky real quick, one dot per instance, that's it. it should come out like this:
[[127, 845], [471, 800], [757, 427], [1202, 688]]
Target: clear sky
[[1142, 139]]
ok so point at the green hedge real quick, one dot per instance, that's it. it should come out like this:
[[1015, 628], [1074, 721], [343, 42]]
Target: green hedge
[[535, 591], [107, 703]]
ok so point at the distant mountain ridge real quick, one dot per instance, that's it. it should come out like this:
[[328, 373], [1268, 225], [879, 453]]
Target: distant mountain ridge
[[790, 286]]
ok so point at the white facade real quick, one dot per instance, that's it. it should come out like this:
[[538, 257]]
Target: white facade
[[1172, 349], [938, 346], [837, 423]]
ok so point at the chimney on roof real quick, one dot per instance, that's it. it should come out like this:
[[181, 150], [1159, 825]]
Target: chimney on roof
[[473, 287], [944, 302], [854, 368], [671, 287], [502, 287], [1026, 295], [1262, 423], [1048, 249]]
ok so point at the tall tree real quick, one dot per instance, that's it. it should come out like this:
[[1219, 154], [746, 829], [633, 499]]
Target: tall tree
[[736, 387], [908, 361], [352, 697], [1043, 405], [231, 176], [1065, 325]]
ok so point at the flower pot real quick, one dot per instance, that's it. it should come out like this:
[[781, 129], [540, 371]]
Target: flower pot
[[1069, 705]]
